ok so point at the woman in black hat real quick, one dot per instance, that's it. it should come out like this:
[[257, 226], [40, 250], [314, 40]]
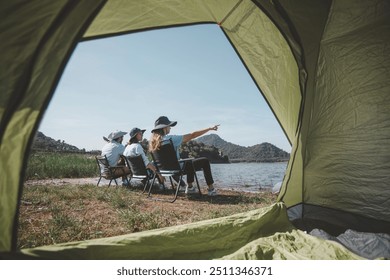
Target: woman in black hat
[[160, 132], [134, 148]]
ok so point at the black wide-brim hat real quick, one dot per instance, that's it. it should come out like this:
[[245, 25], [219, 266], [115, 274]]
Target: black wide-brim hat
[[162, 122], [134, 132]]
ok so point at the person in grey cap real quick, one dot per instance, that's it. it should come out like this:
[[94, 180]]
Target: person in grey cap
[[112, 150], [134, 148], [160, 132]]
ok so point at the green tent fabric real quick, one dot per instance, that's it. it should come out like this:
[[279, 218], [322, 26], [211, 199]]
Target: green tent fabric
[[323, 67]]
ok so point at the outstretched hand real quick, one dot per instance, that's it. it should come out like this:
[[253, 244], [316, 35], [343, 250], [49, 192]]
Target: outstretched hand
[[215, 127]]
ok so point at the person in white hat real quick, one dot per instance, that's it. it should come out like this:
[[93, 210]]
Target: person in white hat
[[134, 148], [160, 132], [112, 150]]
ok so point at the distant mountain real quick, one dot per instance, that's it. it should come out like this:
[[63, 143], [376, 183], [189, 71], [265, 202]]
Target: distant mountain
[[45, 143], [264, 152], [211, 146]]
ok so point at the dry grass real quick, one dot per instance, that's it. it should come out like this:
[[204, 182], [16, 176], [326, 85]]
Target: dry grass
[[51, 214]]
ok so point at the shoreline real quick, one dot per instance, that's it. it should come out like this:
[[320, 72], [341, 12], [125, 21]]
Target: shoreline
[[104, 183]]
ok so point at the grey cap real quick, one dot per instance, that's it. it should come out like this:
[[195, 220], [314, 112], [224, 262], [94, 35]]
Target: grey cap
[[116, 134]]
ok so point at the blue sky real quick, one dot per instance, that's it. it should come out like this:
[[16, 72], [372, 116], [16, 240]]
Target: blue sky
[[190, 74]]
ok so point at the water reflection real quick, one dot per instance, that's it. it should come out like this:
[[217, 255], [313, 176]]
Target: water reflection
[[246, 176]]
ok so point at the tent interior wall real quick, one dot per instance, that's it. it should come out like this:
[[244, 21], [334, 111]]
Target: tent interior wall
[[322, 66]]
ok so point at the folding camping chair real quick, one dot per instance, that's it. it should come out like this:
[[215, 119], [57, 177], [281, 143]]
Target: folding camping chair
[[108, 172], [139, 171], [168, 165]]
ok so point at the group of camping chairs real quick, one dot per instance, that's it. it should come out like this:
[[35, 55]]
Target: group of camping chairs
[[166, 163]]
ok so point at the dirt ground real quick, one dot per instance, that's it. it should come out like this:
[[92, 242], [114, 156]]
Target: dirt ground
[[61, 216], [224, 198]]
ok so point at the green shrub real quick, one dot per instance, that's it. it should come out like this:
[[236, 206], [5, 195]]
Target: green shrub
[[43, 165]]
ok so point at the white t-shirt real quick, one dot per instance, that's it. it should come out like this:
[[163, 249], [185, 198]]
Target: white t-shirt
[[112, 150], [136, 149]]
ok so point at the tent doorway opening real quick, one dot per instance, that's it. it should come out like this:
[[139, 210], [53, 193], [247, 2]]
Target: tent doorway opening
[[190, 74]]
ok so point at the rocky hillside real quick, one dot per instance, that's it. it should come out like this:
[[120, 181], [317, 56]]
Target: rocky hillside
[[197, 149], [194, 149], [45, 143], [264, 152]]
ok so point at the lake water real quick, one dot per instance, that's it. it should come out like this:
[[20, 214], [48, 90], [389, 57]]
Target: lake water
[[249, 177]]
